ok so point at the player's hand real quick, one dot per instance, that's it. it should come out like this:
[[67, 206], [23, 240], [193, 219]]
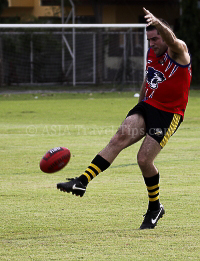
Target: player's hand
[[150, 18]]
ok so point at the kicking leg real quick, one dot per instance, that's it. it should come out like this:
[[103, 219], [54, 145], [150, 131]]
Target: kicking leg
[[132, 130]]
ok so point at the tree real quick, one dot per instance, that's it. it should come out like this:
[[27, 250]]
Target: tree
[[189, 32], [3, 4]]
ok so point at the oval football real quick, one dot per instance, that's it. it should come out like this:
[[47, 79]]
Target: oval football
[[55, 159]]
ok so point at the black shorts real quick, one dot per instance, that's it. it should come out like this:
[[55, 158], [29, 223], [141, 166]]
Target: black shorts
[[160, 125]]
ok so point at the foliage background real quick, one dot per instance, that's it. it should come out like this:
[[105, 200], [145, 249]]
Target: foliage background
[[189, 31]]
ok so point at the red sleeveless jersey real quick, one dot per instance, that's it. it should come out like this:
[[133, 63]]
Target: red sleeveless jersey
[[167, 83]]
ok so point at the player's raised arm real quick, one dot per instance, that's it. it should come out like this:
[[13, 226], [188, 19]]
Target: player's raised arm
[[175, 45]]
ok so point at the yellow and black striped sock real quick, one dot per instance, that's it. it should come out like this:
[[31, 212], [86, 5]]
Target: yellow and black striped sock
[[99, 164], [153, 188]]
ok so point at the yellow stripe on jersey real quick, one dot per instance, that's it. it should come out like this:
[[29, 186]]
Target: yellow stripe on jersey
[[172, 128], [95, 167]]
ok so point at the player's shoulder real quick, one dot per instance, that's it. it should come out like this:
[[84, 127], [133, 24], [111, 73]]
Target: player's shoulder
[[183, 45], [179, 47], [150, 53], [181, 55]]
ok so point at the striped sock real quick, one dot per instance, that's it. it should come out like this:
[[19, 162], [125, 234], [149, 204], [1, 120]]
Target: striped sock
[[99, 164], [153, 186]]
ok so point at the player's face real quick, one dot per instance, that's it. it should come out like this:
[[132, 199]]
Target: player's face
[[156, 42]]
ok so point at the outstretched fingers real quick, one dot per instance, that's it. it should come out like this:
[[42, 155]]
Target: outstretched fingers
[[146, 11], [150, 18]]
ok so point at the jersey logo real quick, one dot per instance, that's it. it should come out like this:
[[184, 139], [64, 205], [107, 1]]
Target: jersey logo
[[154, 77]]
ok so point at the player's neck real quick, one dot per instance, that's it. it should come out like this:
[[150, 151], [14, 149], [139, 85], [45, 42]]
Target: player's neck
[[162, 53]]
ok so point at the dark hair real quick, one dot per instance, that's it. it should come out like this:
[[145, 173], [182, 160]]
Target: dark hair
[[152, 27]]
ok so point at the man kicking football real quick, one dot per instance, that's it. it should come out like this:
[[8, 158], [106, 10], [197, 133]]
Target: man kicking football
[[156, 117]]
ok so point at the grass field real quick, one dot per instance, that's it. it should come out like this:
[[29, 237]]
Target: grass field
[[38, 222]]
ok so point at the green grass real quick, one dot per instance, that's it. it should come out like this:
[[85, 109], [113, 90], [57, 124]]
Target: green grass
[[38, 222]]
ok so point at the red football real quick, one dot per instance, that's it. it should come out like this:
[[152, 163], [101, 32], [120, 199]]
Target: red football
[[55, 159]]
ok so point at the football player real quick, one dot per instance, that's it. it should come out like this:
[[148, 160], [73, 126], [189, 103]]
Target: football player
[[156, 117]]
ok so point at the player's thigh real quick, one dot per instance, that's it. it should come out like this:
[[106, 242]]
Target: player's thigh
[[132, 129], [148, 151]]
